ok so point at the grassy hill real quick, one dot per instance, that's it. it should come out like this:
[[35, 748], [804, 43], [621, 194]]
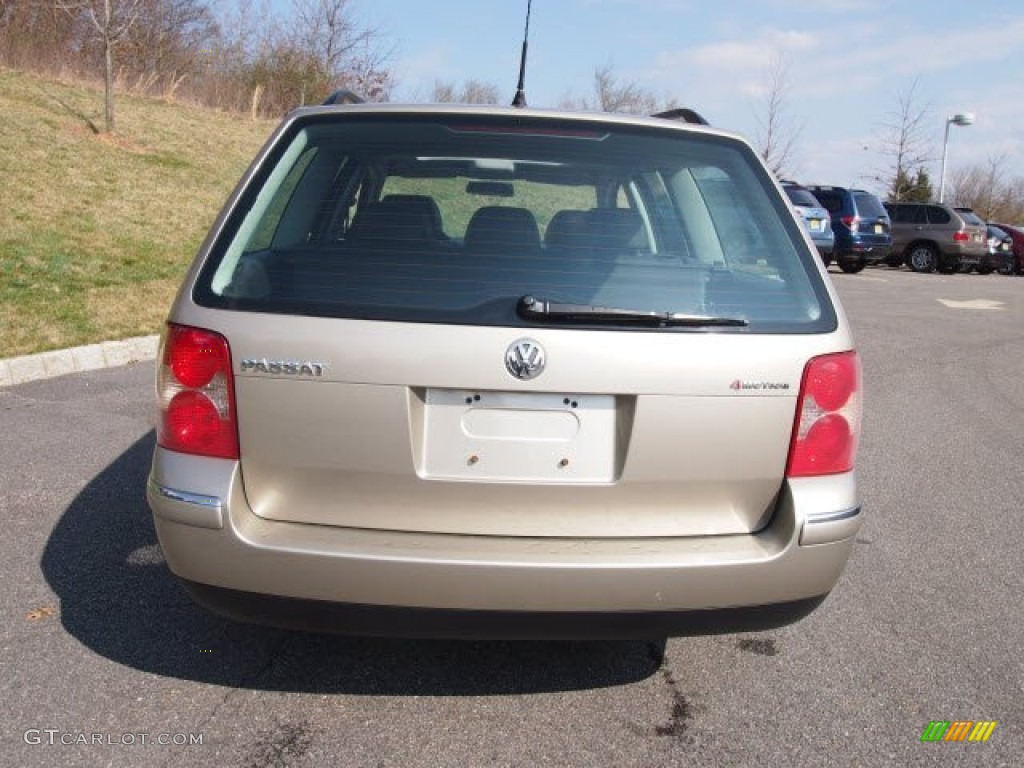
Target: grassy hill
[[97, 230]]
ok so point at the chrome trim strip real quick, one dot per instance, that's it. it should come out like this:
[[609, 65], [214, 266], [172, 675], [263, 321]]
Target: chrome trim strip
[[186, 497], [833, 517]]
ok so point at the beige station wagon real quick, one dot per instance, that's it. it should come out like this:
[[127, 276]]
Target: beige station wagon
[[481, 371]]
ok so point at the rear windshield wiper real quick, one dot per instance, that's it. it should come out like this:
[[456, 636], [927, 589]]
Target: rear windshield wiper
[[532, 308]]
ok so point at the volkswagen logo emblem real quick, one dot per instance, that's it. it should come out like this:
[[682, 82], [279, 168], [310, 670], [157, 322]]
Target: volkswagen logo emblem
[[525, 359]]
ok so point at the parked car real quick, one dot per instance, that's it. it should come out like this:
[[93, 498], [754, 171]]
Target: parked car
[[1016, 265], [485, 371], [860, 224], [996, 255], [815, 218], [935, 236], [1000, 252], [968, 215]]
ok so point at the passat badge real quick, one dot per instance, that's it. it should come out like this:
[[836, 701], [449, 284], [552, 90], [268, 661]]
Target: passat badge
[[283, 367], [525, 359]]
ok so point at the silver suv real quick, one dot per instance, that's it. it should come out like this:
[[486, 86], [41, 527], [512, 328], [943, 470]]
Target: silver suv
[[934, 236], [479, 371]]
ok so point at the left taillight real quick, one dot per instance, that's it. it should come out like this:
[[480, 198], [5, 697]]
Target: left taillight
[[196, 394], [827, 426]]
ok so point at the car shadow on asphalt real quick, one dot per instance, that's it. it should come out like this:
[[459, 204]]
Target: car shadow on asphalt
[[118, 598]]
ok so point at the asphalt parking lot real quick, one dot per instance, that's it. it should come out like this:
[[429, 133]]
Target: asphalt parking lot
[[100, 647]]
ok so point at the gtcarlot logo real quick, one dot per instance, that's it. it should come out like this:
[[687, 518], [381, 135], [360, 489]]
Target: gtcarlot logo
[[56, 737]]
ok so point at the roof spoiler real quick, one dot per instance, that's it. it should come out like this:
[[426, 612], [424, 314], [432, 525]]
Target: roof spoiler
[[344, 96], [683, 113]]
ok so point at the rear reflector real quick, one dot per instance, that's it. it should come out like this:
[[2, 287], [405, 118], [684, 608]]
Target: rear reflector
[[196, 394], [827, 424]]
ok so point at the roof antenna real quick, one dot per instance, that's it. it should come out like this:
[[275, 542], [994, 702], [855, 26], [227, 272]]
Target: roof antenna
[[520, 98]]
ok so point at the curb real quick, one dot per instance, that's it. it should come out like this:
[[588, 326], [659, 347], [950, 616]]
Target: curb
[[60, 362]]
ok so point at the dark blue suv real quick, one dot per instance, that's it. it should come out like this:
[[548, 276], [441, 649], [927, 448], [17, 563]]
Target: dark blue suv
[[861, 225]]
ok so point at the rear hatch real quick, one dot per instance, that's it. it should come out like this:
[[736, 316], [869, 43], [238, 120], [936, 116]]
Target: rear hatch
[[528, 326], [423, 428], [873, 223], [815, 217], [976, 230]]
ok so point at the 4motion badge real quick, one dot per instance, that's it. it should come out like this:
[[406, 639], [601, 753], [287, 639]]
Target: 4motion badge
[[739, 385]]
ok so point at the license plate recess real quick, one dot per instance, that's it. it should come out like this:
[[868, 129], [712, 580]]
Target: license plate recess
[[518, 437]]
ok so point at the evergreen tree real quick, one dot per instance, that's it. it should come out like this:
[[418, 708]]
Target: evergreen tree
[[921, 190]]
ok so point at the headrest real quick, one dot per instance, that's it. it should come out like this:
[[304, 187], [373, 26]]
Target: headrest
[[502, 230]]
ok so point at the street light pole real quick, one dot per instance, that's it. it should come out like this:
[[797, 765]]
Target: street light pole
[[961, 119]]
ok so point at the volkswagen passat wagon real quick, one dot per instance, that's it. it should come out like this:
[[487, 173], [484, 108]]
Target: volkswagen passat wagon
[[466, 371]]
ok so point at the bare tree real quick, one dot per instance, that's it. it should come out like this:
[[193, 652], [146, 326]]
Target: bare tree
[[997, 190], [367, 73], [166, 42], [472, 92], [328, 31], [224, 80], [776, 137], [985, 188], [348, 53], [1014, 212], [256, 58], [445, 92], [35, 34], [904, 140], [479, 92], [111, 20], [614, 95]]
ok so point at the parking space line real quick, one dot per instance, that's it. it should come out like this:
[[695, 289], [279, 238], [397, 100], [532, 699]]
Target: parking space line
[[973, 304]]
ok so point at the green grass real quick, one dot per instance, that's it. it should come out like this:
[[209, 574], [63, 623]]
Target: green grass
[[96, 231]]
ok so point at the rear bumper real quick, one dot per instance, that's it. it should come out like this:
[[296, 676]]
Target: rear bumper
[[391, 621], [387, 583], [970, 254], [995, 261], [824, 241], [869, 249]]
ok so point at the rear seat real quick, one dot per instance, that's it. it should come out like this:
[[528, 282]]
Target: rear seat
[[601, 233], [615, 231], [399, 223], [395, 234], [503, 231], [566, 231], [425, 206]]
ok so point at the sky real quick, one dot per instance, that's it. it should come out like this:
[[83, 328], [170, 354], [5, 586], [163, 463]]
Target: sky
[[849, 63]]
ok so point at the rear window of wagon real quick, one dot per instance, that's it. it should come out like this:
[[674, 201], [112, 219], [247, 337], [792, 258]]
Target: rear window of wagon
[[452, 218]]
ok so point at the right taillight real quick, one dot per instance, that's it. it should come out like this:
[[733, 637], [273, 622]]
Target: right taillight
[[827, 425], [961, 237], [195, 392]]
